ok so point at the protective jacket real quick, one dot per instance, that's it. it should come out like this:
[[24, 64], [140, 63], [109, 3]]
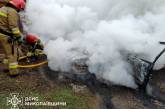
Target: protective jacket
[[9, 21]]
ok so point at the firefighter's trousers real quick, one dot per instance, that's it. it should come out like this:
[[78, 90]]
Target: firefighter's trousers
[[12, 58]]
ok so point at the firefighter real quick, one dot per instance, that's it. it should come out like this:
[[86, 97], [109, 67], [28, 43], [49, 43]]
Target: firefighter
[[34, 43], [10, 28]]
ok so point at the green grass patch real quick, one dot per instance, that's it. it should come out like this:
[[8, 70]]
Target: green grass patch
[[3, 101], [65, 94]]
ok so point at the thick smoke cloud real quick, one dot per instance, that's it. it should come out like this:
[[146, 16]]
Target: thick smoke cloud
[[104, 31]]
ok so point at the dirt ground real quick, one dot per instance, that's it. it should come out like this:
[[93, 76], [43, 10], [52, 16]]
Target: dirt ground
[[128, 99], [34, 83], [117, 97], [159, 79]]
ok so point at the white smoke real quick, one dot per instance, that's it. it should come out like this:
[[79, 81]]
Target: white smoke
[[103, 30]]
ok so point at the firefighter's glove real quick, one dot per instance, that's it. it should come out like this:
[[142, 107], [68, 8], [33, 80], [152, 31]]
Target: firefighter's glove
[[29, 54], [17, 38], [37, 52]]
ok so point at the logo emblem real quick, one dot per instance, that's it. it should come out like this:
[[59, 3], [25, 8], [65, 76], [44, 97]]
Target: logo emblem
[[14, 100]]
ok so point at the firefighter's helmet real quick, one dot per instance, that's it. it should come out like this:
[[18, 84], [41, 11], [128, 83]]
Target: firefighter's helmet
[[30, 38], [19, 4]]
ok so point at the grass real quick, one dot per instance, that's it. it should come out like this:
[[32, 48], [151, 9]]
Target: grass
[[3, 103], [60, 94]]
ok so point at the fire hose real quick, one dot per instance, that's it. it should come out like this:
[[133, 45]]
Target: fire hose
[[32, 65]]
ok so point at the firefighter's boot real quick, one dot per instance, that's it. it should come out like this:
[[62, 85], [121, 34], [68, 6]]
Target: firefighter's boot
[[13, 69]]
